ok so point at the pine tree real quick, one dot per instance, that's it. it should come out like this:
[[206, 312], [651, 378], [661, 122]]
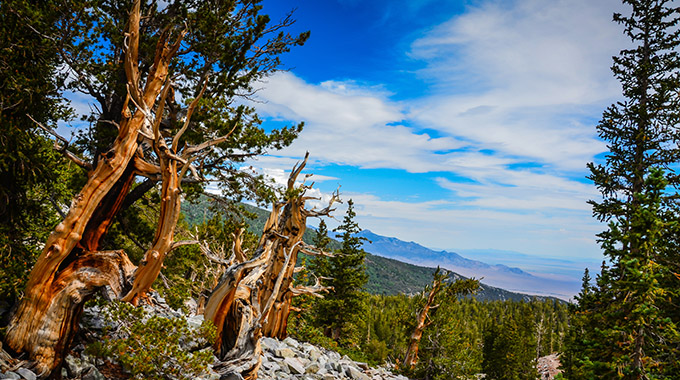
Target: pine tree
[[320, 265], [509, 347], [341, 309], [630, 320]]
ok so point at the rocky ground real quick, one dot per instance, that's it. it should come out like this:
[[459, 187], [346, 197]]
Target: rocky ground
[[290, 359], [548, 366], [287, 359]]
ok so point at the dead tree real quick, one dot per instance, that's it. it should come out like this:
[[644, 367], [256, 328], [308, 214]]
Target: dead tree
[[72, 267], [60, 282], [432, 301], [253, 297]]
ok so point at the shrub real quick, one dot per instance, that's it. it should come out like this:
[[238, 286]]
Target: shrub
[[153, 347]]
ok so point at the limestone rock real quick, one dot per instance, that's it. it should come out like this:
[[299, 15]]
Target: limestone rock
[[11, 375]]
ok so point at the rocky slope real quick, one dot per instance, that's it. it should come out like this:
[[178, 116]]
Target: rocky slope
[[290, 359], [287, 359]]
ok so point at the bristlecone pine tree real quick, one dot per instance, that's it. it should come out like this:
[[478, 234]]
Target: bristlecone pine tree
[[139, 62], [441, 290], [253, 298], [630, 320]]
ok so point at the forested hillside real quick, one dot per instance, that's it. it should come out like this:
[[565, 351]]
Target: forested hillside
[[385, 276], [114, 255]]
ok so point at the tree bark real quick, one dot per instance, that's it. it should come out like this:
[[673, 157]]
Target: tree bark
[[411, 357], [44, 320], [72, 287], [253, 297]]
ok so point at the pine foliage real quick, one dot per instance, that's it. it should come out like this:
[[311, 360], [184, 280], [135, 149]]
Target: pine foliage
[[625, 326]]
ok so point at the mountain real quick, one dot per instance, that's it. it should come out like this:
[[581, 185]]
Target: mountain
[[389, 276], [495, 275], [393, 266]]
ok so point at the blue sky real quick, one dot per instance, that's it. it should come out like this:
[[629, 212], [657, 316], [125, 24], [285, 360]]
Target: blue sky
[[454, 124], [460, 125]]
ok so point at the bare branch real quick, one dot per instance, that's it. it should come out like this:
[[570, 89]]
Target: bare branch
[[181, 243], [312, 290], [326, 210], [237, 248], [63, 147], [145, 168], [313, 251], [187, 118], [160, 109], [197, 148], [296, 171]]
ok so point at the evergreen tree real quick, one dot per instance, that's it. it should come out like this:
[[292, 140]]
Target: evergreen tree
[[630, 319], [510, 347], [340, 310], [320, 265], [34, 179]]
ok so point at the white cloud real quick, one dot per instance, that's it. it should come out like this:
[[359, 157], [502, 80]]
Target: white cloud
[[515, 89], [352, 126], [518, 77], [445, 224]]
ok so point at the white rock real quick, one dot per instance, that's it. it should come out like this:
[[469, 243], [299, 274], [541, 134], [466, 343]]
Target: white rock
[[314, 353], [11, 375], [294, 366], [285, 353], [26, 374], [195, 322], [356, 374], [291, 342], [312, 368], [269, 343]]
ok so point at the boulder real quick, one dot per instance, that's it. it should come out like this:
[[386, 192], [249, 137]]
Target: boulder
[[26, 374], [312, 368], [92, 373], [356, 374], [285, 352]]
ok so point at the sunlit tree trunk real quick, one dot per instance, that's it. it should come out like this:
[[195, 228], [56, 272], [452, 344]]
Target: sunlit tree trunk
[[253, 297], [68, 271], [411, 357]]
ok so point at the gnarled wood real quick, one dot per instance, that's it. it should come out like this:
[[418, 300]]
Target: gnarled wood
[[411, 357], [42, 323], [253, 297], [70, 289], [439, 285]]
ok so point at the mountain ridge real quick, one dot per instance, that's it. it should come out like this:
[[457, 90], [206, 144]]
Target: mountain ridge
[[387, 275]]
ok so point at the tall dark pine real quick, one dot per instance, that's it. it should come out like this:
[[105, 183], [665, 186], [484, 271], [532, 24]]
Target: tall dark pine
[[320, 265], [344, 304], [632, 317]]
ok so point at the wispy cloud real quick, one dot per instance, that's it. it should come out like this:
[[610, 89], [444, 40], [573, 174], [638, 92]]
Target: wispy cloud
[[350, 125], [507, 125]]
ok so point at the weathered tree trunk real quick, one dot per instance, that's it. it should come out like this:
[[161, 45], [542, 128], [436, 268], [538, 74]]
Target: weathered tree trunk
[[67, 271], [253, 297], [163, 242], [411, 357], [292, 224]]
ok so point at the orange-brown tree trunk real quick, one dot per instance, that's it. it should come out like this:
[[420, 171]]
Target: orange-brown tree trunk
[[68, 270], [152, 263], [253, 297], [292, 224], [411, 357]]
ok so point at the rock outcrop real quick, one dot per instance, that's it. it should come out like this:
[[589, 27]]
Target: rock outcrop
[[290, 359]]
